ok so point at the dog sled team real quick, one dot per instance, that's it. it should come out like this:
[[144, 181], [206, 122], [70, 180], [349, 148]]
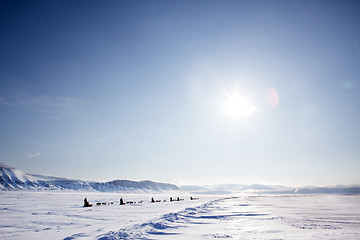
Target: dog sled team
[[121, 202]]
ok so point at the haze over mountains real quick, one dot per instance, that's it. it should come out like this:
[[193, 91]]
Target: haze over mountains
[[222, 189], [14, 179]]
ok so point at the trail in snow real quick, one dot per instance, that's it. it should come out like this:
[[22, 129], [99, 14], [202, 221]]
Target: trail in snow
[[60, 215], [255, 217]]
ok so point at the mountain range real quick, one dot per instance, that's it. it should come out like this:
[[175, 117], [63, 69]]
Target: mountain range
[[14, 179], [269, 189]]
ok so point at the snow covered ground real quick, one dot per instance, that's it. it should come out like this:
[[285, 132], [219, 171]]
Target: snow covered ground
[[60, 215]]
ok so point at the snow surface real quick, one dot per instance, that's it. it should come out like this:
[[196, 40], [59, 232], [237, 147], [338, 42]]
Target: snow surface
[[60, 215]]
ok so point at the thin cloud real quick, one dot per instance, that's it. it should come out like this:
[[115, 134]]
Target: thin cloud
[[3, 101], [51, 102], [4, 165], [33, 155], [54, 106]]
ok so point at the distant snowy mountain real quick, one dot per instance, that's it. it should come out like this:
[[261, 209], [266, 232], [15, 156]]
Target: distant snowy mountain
[[227, 188], [350, 189], [276, 189], [126, 185], [14, 179]]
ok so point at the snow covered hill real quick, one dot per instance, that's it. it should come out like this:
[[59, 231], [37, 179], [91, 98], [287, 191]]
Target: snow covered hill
[[14, 179]]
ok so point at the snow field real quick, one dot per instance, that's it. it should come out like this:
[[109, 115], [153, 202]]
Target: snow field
[[256, 217], [60, 215]]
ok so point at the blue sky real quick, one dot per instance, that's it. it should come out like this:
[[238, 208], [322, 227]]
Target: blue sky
[[188, 92]]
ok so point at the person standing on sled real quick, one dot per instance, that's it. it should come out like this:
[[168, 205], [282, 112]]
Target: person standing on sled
[[86, 203]]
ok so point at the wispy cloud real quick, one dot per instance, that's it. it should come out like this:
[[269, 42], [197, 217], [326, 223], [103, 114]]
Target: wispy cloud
[[4, 165], [33, 155], [50, 102], [55, 106], [3, 101]]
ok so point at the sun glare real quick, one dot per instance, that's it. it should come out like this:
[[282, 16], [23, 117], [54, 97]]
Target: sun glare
[[238, 106]]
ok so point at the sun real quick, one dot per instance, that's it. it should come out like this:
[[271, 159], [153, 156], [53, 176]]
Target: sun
[[238, 106]]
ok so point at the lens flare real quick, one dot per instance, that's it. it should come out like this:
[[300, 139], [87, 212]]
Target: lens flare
[[272, 97]]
